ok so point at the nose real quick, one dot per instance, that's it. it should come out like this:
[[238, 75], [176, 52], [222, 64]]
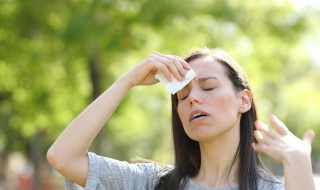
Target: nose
[[194, 97]]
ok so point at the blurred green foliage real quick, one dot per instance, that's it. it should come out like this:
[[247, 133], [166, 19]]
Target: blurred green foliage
[[46, 48]]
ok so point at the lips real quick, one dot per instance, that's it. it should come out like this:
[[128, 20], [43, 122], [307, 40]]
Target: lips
[[197, 114]]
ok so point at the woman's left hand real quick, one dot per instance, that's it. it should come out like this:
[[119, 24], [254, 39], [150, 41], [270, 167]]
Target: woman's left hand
[[281, 144]]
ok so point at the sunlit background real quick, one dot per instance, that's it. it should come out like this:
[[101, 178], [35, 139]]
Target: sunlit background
[[57, 56]]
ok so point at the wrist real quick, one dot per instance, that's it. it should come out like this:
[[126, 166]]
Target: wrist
[[123, 81], [294, 157], [298, 173]]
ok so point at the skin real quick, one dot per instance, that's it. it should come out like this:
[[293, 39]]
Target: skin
[[218, 133], [68, 154], [212, 92], [294, 153]]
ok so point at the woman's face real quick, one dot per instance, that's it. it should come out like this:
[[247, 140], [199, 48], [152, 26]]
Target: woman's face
[[209, 106]]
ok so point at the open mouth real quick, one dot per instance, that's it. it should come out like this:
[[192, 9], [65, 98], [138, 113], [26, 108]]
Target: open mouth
[[197, 115]]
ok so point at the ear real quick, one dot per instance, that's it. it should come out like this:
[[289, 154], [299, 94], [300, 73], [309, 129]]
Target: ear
[[246, 101]]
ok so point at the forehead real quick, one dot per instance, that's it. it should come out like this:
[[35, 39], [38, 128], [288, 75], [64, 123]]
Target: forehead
[[207, 66]]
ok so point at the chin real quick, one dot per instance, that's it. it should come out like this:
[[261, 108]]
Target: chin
[[202, 137], [207, 134]]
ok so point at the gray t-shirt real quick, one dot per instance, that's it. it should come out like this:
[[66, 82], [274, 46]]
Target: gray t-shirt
[[109, 174]]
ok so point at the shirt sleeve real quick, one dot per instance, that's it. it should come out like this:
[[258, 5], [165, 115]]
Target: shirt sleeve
[[269, 182], [279, 186], [106, 173]]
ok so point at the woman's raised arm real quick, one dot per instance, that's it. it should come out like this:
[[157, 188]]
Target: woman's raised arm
[[68, 154]]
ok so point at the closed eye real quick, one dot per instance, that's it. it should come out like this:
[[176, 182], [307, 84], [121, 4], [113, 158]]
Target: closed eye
[[208, 89], [185, 97]]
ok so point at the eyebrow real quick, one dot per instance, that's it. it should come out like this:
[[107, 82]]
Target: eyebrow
[[206, 78], [202, 79]]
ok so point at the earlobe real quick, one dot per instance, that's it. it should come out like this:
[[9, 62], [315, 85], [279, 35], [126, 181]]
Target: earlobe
[[246, 101]]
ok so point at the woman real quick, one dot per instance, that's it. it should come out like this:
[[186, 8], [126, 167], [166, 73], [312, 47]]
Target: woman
[[215, 129]]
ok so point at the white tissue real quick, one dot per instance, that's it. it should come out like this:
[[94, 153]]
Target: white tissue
[[175, 85]]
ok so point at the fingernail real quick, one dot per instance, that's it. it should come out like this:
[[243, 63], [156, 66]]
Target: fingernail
[[311, 133], [264, 127], [259, 135], [185, 73], [273, 116]]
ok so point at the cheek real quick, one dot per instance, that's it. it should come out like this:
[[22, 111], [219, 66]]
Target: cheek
[[226, 104], [223, 102], [181, 112]]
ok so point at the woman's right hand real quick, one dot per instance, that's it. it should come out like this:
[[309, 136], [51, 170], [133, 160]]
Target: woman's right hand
[[68, 154], [144, 73]]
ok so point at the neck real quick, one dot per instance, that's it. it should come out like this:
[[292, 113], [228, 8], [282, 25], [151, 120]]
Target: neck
[[218, 167]]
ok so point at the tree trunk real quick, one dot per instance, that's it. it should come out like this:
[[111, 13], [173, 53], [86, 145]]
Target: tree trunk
[[95, 76], [2, 167], [35, 155]]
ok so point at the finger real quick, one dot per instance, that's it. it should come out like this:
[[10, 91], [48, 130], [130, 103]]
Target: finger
[[264, 129], [278, 125], [259, 147], [261, 139], [169, 63], [164, 69], [180, 68], [308, 136], [158, 66], [180, 64], [184, 64]]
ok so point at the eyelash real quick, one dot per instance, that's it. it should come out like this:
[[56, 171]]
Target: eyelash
[[205, 89], [184, 97]]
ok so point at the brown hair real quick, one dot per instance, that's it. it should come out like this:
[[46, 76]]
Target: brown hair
[[187, 151]]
